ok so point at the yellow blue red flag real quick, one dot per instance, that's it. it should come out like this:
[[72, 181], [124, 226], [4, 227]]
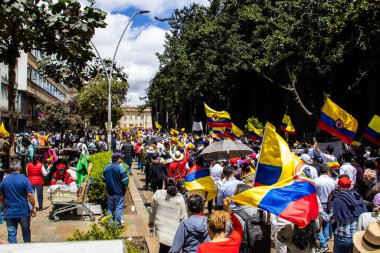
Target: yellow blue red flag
[[276, 162], [174, 132], [158, 126], [198, 178], [287, 125], [372, 131], [293, 199], [3, 131], [254, 133], [217, 118], [338, 122]]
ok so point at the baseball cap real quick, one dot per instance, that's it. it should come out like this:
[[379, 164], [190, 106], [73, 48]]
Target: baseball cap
[[61, 166], [116, 156], [306, 158], [344, 182], [154, 156]]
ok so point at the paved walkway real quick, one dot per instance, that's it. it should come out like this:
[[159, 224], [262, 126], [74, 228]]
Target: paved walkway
[[44, 230]]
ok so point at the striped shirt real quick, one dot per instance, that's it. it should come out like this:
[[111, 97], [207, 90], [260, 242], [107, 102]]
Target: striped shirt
[[347, 230]]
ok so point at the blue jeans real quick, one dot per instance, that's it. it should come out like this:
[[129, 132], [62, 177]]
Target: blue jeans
[[322, 240], [343, 244], [12, 224], [326, 226], [128, 162], [40, 194], [115, 208]]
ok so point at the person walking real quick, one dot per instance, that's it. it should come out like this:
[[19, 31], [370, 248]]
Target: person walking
[[116, 180], [15, 192], [36, 172], [128, 152]]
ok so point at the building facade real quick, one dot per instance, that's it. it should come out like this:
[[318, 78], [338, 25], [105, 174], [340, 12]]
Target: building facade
[[31, 89], [134, 118]]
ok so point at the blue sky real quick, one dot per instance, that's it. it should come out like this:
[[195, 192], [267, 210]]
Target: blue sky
[[143, 39]]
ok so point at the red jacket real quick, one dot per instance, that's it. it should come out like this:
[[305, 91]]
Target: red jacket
[[35, 173], [179, 168], [233, 243], [66, 178]]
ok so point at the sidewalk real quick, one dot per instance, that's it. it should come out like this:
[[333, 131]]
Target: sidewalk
[[44, 230]]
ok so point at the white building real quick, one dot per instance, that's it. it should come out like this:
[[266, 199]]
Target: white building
[[133, 118]]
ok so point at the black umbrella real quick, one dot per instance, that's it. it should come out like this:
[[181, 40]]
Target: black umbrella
[[155, 139]]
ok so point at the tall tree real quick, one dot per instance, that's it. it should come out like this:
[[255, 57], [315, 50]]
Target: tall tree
[[61, 28]]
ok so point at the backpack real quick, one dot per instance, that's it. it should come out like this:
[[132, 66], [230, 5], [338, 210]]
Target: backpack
[[256, 235]]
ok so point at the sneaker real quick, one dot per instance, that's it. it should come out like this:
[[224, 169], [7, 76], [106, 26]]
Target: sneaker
[[321, 250], [122, 221]]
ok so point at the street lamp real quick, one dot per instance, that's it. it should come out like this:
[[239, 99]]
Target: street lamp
[[109, 76]]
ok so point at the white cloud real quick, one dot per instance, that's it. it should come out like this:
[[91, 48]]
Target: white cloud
[[137, 51]]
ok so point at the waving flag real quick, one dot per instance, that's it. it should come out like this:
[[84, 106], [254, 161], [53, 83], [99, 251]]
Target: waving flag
[[217, 119], [236, 132], [276, 162], [174, 132], [333, 165], [254, 133], [3, 131], [158, 126], [372, 132], [287, 125], [338, 122], [218, 132], [198, 178], [293, 199]]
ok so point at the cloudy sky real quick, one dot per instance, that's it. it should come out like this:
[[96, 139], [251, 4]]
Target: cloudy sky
[[144, 37]]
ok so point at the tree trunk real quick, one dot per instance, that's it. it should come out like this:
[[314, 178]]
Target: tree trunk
[[11, 101], [298, 100]]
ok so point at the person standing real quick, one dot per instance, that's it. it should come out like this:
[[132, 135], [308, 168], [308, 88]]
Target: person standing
[[15, 192], [5, 154], [347, 169], [373, 187], [36, 172], [128, 152], [116, 180], [228, 189]]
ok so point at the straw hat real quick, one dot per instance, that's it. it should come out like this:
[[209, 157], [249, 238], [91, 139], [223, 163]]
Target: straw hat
[[178, 156], [150, 150], [368, 240]]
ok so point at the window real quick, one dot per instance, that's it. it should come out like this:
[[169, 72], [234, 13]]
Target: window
[[29, 72], [136, 117]]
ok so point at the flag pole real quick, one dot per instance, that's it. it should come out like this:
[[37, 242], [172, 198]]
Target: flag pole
[[258, 161]]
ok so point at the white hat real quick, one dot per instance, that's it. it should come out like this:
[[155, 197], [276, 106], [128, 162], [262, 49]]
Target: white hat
[[151, 150], [178, 156], [306, 158]]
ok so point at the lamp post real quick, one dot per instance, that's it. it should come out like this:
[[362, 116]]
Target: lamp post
[[109, 76]]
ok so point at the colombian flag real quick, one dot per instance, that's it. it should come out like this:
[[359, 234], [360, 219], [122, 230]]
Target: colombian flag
[[3, 131], [276, 162], [158, 126], [174, 132], [372, 132], [287, 125], [217, 119], [333, 165], [236, 132], [337, 122], [198, 178], [254, 133], [293, 199]]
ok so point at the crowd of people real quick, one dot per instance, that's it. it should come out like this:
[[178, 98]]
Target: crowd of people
[[347, 188]]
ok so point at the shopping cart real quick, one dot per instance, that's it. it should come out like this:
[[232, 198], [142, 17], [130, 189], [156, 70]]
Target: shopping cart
[[64, 201]]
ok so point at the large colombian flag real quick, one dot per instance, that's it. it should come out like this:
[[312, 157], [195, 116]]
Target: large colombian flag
[[293, 199], [254, 133], [233, 133], [372, 132], [276, 162], [217, 118], [287, 125], [338, 122], [198, 178]]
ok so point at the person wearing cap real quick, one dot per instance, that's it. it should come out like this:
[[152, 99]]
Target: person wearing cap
[[366, 218], [61, 176], [309, 170], [116, 179], [347, 207], [178, 167], [347, 168], [373, 187], [368, 241]]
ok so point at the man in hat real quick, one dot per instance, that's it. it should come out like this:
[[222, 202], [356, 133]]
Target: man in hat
[[61, 176], [116, 180], [368, 240], [178, 167], [347, 207]]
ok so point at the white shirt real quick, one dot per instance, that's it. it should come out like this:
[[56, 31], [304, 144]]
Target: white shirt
[[324, 185], [327, 158], [367, 218], [349, 170], [216, 172]]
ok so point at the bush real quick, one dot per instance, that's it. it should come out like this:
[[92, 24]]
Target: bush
[[97, 192], [104, 230]]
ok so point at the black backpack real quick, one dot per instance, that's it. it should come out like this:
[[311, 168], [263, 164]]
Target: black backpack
[[256, 235]]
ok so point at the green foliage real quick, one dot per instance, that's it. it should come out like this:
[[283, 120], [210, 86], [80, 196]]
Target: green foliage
[[93, 100], [104, 230], [97, 192], [58, 118], [255, 122]]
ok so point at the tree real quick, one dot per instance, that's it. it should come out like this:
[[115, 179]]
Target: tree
[[56, 117], [60, 28], [255, 122], [93, 100]]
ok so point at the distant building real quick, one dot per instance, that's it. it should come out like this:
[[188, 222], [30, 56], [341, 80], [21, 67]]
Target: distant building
[[133, 118], [31, 89]]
